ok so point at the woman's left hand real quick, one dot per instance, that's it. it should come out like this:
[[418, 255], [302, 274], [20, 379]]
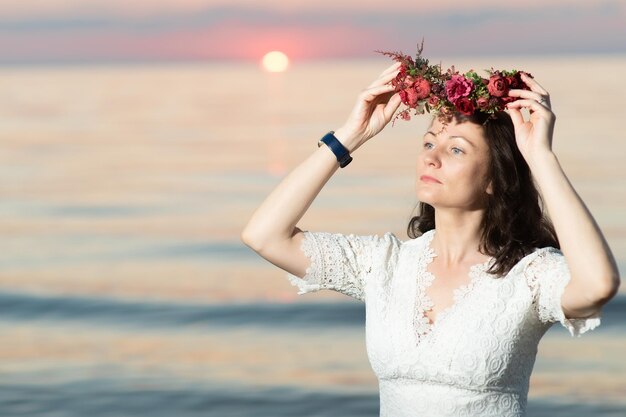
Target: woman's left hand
[[534, 137]]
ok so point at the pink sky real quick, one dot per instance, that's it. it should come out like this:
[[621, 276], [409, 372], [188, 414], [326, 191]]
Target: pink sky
[[103, 30]]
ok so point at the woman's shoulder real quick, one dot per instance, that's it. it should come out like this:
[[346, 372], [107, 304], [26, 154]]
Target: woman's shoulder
[[536, 257], [544, 252], [419, 240]]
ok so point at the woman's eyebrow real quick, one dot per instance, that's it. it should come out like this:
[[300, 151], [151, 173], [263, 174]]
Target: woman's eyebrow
[[453, 136]]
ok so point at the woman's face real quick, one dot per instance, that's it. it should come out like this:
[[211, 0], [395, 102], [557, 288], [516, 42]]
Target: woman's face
[[457, 156]]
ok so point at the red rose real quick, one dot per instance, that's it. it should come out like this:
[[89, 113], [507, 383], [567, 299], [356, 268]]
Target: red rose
[[514, 81], [422, 88], [497, 86], [465, 106], [482, 102], [523, 84], [404, 97], [433, 100], [411, 97], [508, 99]]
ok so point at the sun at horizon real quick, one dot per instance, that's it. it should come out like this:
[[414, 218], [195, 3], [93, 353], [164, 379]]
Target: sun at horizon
[[275, 61]]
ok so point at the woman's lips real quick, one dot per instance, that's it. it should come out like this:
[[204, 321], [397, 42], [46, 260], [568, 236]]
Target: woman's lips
[[426, 178]]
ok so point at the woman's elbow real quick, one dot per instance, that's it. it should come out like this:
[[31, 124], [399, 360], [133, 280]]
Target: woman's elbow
[[610, 290], [250, 240]]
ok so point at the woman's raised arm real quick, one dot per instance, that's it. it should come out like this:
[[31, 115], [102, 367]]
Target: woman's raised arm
[[271, 231], [594, 273]]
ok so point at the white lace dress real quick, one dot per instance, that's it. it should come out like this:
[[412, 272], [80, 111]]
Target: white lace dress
[[477, 357]]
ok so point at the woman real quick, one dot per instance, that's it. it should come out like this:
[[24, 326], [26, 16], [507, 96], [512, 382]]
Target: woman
[[454, 314]]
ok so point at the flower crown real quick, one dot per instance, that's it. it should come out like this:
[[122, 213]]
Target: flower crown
[[425, 87]]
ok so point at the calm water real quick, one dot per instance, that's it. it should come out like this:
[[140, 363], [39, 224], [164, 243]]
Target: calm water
[[124, 288], [105, 356]]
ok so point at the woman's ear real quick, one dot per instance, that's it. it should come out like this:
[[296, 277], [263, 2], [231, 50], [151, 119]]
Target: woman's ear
[[490, 187]]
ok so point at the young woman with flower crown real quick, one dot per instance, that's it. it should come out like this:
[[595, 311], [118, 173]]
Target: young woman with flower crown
[[455, 313]]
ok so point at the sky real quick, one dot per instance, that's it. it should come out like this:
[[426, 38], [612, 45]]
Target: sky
[[36, 31]]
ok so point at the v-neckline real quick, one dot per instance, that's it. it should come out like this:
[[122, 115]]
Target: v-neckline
[[422, 327]]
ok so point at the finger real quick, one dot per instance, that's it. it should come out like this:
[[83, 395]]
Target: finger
[[529, 104], [390, 71], [384, 79], [534, 85], [525, 94], [392, 68], [372, 92], [530, 95], [392, 106], [516, 116]]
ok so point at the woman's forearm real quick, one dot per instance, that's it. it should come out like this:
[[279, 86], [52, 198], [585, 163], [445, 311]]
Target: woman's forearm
[[586, 251], [276, 218], [278, 215]]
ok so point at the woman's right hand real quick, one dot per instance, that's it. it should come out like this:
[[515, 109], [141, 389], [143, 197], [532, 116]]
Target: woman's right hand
[[374, 108]]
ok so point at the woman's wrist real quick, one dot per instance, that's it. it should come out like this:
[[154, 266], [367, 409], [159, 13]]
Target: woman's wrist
[[348, 139], [541, 161]]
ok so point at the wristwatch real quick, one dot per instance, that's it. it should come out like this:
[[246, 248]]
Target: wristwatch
[[340, 151]]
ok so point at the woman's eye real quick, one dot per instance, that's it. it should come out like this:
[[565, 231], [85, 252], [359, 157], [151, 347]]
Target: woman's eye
[[426, 144], [457, 153]]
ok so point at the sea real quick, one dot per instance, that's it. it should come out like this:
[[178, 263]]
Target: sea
[[125, 289]]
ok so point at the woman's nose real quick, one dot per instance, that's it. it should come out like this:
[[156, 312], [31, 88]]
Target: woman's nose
[[431, 158]]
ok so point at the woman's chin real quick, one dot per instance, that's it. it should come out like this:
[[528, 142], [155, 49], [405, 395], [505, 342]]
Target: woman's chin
[[425, 197]]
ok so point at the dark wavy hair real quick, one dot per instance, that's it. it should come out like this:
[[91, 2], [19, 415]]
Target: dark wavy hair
[[514, 223]]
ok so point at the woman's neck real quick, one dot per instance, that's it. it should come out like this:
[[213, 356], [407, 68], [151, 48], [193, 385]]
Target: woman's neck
[[457, 238]]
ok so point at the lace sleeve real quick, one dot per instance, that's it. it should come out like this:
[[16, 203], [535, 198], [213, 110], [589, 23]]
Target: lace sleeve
[[342, 262], [548, 275]]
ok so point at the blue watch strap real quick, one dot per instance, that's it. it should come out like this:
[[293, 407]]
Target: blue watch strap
[[340, 151]]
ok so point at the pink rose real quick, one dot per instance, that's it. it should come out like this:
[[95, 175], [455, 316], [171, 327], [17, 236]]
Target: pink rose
[[433, 100], [422, 88], [465, 105], [497, 86], [458, 86]]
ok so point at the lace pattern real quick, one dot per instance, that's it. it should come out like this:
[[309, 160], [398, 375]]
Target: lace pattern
[[425, 278], [408, 398], [341, 262], [547, 275], [477, 357]]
